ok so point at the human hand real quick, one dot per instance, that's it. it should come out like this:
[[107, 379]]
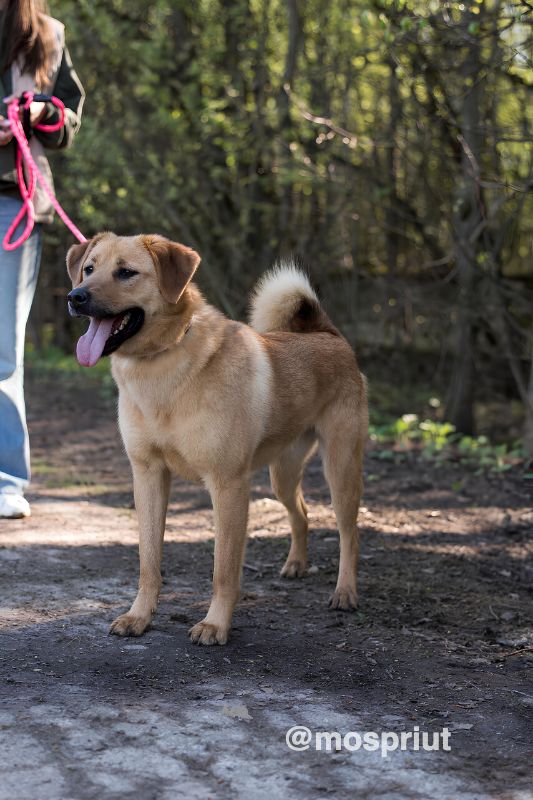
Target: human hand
[[37, 111], [5, 131]]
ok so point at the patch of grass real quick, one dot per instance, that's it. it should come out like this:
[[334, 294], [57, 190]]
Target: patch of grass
[[51, 363], [41, 467], [439, 441], [64, 478]]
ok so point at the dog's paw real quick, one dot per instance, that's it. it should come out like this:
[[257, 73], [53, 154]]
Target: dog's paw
[[129, 625], [206, 633], [294, 569], [343, 600]]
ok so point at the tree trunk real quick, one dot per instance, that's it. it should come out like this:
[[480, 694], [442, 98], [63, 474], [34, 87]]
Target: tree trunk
[[392, 222], [460, 406], [528, 422], [467, 218], [295, 35]]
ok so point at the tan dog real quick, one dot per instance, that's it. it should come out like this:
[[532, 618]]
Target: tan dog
[[210, 399]]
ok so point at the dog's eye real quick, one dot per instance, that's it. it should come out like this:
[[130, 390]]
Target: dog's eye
[[123, 273], [88, 269]]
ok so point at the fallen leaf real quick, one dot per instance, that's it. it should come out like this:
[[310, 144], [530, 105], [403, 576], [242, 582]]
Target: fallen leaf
[[237, 712]]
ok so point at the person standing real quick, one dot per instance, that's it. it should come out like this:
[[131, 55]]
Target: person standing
[[33, 57]]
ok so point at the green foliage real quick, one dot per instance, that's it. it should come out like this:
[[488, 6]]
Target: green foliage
[[336, 132], [480, 452], [439, 442], [187, 129], [52, 364]]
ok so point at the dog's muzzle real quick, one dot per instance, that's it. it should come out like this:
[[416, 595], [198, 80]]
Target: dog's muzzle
[[78, 301]]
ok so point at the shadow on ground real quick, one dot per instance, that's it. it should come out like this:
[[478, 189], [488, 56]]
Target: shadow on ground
[[442, 638]]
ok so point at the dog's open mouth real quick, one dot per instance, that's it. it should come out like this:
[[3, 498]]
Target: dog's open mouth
[[104, 336]]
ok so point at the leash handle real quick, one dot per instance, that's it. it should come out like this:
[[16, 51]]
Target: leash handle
[[27, 191], [43, 98]]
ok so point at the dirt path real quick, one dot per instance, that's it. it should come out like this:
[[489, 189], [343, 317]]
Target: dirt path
[[440, 638]]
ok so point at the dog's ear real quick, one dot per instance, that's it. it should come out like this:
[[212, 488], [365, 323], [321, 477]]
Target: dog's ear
[[76, 255], [174, 263]]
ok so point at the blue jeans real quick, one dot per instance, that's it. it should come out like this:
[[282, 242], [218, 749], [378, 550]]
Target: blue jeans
[[19, 270]]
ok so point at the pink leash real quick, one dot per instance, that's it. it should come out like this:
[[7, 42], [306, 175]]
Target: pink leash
[[27, 191]]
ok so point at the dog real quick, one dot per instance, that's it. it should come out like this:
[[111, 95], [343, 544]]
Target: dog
[[211, 399]]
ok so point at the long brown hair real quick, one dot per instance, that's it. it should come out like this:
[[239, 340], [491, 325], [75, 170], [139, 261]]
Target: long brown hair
[[24, 33]]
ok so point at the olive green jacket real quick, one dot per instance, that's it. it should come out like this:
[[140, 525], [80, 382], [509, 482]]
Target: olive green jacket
[[66, 87]]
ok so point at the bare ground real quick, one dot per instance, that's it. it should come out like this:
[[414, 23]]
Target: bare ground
[[443, 635]]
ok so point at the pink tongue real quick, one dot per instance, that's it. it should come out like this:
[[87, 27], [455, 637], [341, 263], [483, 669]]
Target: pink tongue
[[91, 345]]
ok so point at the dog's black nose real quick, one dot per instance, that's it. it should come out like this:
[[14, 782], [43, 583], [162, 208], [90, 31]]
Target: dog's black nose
[[78, 298]]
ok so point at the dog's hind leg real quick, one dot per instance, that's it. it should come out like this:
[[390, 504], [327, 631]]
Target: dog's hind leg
[[286, 478], [230, 505], [151, 486], [342, 444]]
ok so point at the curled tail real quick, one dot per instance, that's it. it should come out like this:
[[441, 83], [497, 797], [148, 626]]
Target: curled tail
[[283, 300]]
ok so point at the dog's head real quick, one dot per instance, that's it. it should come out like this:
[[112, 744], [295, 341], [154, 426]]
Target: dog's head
[[125, 285]]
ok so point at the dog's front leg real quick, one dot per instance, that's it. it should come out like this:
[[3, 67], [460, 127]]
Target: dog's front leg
[[151, 485], [230, 506]]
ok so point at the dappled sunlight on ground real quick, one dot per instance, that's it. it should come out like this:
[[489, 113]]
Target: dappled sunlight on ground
[[443, 635]]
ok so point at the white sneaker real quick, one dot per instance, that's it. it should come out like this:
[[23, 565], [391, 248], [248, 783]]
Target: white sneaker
[[14, 506]]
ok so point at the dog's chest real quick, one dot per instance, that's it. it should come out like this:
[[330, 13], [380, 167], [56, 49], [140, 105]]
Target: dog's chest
[[170, 424]]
